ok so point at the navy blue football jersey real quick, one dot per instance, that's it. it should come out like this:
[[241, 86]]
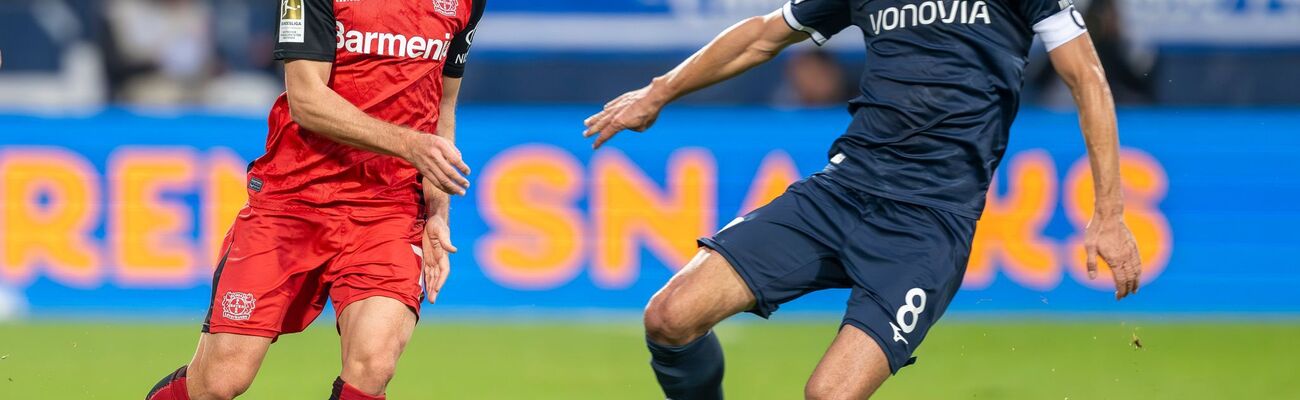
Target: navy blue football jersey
[[939, 91]]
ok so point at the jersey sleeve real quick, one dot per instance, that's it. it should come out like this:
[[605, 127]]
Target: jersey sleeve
[[307, 30], [460, 45], [820, 19], [1056, 22]]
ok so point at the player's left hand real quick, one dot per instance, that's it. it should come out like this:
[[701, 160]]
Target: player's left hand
[[436, 245], [636, 111], [1111, 239]]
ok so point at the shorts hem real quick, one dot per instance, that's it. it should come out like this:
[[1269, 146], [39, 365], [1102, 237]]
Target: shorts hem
[[259, 332], [885, 347], [761, 307], [412, 305]]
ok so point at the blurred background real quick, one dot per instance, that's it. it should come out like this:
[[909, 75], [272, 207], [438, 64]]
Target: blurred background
[[125, 126]]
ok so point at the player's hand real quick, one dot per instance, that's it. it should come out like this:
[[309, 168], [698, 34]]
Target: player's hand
[[636, 110], [438, 160], [436, 244], [1110, 239]]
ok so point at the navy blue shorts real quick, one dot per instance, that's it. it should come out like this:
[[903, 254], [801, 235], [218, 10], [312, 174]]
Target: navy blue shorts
[[903, 262]]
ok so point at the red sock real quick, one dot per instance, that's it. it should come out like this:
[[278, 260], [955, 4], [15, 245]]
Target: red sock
[[344, 391], [171, 388]]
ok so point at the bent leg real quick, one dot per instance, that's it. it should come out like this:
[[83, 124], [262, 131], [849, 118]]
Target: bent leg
[[685, 355], [373, 331], [224, 365], [266, 276], [853, 368], [771, 256], [705, 292]]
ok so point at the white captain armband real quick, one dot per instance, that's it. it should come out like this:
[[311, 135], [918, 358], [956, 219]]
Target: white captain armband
[[1060, 28]]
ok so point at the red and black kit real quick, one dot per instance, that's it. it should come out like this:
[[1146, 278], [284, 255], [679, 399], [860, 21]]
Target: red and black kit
[[329, 221]]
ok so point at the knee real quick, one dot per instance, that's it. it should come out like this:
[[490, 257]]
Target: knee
[[666, 325], [226, 391], [819, 389], [216, 386], [370, 373]]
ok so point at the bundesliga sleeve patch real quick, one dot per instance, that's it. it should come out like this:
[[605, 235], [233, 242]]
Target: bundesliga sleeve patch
[[293, 21]]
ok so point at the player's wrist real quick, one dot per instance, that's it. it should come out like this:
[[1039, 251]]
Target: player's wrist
[[413, 143], [406, 143], [1109, 212], [660, 92], [435, 200]]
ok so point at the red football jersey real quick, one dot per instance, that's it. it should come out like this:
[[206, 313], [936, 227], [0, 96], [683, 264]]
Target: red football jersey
[[389, 58]]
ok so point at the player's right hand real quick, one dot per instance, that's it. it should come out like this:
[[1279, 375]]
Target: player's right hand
[[438, 160], [1111, 240], [636, 110]]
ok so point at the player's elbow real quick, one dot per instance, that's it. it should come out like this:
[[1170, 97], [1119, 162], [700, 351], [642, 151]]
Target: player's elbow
[[763, 50], [773, 35], [304, 110], [1089, 87], [1087, 79]]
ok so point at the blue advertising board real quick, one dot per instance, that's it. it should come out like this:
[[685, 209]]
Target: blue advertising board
[[118, 213], [524, 24]]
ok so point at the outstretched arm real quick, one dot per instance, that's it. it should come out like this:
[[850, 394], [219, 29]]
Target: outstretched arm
[[743, 46], [1107, 236]]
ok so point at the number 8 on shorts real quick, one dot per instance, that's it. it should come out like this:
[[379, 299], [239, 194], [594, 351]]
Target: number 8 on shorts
[[913, 305]]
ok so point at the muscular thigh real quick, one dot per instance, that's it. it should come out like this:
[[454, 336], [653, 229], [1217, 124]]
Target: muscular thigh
[[226, 359], [853, 368], [790, 247], [375, 327], [703, 293]]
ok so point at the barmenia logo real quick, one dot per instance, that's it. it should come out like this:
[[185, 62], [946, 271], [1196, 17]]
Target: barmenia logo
[[392, 45]]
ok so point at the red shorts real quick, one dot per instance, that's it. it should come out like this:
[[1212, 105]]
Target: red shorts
[[278, 267]]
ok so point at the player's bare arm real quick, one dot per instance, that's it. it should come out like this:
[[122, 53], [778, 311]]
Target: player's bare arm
[[436, 242], [319, 109], [1107, 236], [743, 46], [447, 108]]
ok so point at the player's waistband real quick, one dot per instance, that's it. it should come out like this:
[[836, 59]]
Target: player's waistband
[[850, 174]]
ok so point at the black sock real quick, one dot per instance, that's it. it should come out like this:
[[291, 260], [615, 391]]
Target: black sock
[[689, 372]]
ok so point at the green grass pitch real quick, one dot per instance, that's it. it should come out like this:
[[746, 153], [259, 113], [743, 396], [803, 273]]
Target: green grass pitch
[[962, 359]]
